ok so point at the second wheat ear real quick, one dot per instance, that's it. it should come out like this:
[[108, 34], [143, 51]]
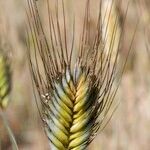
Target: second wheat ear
[[5, 80], [5, 83], [76, 86]]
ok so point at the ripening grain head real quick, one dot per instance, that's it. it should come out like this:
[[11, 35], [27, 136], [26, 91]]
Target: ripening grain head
[[5, 73], [4, 81], [144, 13], [75, 73]]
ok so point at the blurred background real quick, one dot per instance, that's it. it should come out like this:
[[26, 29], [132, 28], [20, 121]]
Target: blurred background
[[129, 128]]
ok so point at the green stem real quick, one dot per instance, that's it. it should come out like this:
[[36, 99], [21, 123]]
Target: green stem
[[0, 142], [10, 133]]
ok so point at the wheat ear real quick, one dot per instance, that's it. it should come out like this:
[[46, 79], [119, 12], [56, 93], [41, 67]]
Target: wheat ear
[[70, 114], [76, 86], [5, 84], [5, 71], [5, 88], [5, 75]]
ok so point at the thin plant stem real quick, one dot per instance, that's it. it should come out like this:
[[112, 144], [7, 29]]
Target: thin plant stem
[[10, 133], [0, 143]]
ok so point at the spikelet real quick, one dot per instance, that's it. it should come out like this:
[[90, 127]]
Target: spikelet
[[76, 86]]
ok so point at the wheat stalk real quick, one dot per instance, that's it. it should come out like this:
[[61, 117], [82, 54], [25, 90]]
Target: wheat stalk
[[76, 86]]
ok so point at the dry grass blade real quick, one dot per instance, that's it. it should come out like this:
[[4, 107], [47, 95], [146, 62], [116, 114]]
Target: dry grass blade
[[76, 85]]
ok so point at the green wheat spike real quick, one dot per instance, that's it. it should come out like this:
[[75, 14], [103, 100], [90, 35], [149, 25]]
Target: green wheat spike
[[76, 86], [5, 84], [65, 128]]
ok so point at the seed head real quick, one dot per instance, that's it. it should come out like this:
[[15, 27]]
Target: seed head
[[5, 73], [4, 80], [76, 86]]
